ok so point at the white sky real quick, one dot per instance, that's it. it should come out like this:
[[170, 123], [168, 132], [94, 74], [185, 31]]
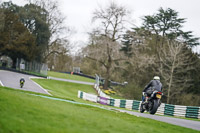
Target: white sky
[[79, 13]]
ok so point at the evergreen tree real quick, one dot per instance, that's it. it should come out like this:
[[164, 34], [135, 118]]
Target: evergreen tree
[[34, 19], [126, 45], [166, 23], [15, 39]]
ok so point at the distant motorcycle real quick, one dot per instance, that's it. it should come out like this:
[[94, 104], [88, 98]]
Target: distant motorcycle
[[22, 82], [153, 102]]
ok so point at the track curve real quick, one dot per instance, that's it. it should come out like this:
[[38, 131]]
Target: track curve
[[11, 79]]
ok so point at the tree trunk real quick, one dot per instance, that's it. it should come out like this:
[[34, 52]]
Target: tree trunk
[[107, 78], [171, 79], [14, 63]]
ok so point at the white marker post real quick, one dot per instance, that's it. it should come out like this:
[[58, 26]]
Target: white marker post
[[1, 83]]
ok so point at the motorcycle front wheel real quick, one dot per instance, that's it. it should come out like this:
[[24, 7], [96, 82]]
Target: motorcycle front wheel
[[142, 108], [21, 85]]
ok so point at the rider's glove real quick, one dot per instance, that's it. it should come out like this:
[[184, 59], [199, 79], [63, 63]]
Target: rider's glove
[[143, 93]]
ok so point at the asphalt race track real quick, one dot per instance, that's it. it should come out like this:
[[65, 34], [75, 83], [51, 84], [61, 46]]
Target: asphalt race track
[[11, 79], [175, 121], [72, 81]]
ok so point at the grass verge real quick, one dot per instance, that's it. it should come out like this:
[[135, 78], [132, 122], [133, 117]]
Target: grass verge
[[22, 113], [67, 90], [64, 89]]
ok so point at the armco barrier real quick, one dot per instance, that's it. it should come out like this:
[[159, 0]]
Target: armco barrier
[[136, 105], [161, 109], [164, 109], [104, 100], [99, 92], [86, 96], [192, 112], [169, 109]]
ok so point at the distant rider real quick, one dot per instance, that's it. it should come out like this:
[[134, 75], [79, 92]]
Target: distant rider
[[22, 81], [154, 84]]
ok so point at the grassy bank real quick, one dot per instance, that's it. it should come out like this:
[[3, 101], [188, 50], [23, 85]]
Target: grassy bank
[[69, 76], [22, 113], [78, 78], [64, 89], [69, 90]]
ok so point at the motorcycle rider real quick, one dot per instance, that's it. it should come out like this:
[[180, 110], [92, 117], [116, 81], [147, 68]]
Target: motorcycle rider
[[154, 84], [22, 81]]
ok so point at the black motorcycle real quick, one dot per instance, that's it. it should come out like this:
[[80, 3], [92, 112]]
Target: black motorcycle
[[152, 103], [21, 84]]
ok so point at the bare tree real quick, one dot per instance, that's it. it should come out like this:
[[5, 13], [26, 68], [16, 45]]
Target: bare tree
[[60, 61], [106, 53], [55, 19], [105, 48], [112, 20], [177, 64]]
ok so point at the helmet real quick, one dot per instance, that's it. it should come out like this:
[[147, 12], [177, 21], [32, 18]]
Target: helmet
[[156, 78]]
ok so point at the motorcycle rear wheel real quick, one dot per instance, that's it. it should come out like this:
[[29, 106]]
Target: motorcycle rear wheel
[[155, 107]]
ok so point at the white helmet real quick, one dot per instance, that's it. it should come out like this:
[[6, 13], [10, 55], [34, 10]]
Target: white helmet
[[156, 78]]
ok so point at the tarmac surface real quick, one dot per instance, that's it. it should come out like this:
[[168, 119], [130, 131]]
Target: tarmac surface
[[11, 79], [72, 81], [175, 121]]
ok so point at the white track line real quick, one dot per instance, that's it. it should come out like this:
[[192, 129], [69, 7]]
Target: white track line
[[36, 78], [1, 83], [39, 85]]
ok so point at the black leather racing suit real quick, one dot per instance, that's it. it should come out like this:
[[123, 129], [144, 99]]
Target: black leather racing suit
[[153, 85], [22, 80]]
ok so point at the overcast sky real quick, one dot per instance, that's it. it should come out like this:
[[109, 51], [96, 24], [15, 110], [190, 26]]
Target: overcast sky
[[79, 13]]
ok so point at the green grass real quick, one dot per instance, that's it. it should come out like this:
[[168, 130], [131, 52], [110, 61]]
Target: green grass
[[79, 78], [64, 89], [22, 113], [69, 90], [69, 76], [116, 96]]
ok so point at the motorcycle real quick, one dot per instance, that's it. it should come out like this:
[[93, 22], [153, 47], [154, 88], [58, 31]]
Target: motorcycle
[[152, 103], [21, 84]]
